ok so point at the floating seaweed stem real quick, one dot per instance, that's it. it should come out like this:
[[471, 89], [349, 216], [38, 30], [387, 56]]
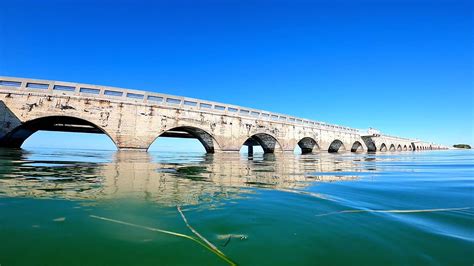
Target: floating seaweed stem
[[215, 251], [228, 237], [307, 193], [239, 236], [196, 232], [394, 211], [226, 242]]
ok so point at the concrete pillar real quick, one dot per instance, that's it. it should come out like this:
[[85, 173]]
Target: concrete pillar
[[250, 150]]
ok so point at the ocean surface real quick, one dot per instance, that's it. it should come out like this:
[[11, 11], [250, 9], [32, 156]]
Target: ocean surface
[[83, 207]]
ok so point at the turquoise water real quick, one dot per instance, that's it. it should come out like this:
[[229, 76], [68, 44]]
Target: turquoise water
[[60, 207]]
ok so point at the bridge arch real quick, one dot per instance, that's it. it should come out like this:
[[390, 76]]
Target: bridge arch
[[405, 148], [308, 145], [336, 146], [399, 147], [392, 147], [208, 141], [357, 147], [58, 123], [369, 143], [268, 142], [383, 147]]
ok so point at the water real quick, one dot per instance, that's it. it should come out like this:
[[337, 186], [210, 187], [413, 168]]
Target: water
[[268, 210]]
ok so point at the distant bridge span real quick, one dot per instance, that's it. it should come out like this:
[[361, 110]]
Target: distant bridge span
[[134, 119]]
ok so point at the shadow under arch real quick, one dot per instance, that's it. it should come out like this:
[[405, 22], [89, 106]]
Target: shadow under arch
[[18, 135], [357, 147], [268, 142], [336, 146], [392, 147], [383, 147], [405, 148], [207, 140], [308, 145], [369, 143]]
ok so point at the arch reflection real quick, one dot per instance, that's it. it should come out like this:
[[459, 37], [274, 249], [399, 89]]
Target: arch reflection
[[168, 178]]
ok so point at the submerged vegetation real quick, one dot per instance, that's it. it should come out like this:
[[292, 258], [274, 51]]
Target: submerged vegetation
[[200, 240]]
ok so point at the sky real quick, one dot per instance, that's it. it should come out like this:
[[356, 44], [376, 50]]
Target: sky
[[404, 67]]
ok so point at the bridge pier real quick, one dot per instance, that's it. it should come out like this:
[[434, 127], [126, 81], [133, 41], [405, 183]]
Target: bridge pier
[[132, 149], [250, 150]]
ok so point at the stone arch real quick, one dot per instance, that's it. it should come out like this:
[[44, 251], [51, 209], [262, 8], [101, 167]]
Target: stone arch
[[62, 123], [405, 148], [371, 147], [336, 146], [369, 143], [307, 145], [267, 141], [399, 147], [206, 139], [383, 147], [357, 147], [392, 147], [431, 147]]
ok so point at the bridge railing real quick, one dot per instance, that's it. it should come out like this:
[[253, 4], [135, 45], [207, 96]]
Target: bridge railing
[[119, 94]]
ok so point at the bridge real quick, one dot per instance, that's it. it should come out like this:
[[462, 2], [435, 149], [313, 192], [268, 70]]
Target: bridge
[[134, 119]]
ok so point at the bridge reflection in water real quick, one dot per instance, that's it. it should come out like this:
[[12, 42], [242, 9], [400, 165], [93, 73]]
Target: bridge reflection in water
[[169, 178]]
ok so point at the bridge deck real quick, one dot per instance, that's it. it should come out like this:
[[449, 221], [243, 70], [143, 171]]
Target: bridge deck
[[145, 97]]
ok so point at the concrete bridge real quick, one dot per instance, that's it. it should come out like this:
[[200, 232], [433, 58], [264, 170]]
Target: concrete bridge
[[134, 119]]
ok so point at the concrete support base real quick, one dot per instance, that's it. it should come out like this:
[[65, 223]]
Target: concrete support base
[[132, 149]]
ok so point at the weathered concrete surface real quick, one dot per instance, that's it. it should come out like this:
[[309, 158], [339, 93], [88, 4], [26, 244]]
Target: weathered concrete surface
[[134, 119]]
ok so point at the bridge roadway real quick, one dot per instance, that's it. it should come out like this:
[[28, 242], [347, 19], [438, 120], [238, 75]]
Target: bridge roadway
[[134, 119]]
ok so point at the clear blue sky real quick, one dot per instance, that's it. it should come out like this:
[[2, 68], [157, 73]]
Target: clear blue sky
[[404, 67]]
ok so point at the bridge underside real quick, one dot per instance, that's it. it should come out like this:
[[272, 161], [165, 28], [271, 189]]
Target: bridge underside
[[16, 138], [269, 144], [75, 125]]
